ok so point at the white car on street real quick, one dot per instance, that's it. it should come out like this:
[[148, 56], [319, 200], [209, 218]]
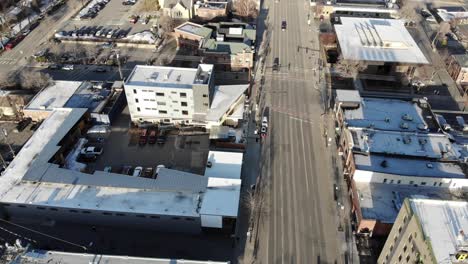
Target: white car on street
[[68, 67]]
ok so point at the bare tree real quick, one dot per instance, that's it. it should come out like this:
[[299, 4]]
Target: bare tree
[[149, 6], [167, 23], [34, 80], [246, 8], [350, 68], [409, 11]]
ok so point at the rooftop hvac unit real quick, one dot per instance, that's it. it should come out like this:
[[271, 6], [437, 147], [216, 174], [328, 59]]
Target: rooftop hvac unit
[[404, 125], [422, 126], [407, 140], [407, 117]]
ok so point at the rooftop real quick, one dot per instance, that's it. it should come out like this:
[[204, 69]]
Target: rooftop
[[437, 146], [211, 45], [442, 222], [46, 257], [383, 201], [362, 2], [455, 123], [176, 77], [223, 98], [172, 193], [72, 95], [195, 29], [448, 13], [389, 114], [224, 164], [49, 97], [408, 167], [377, 40]]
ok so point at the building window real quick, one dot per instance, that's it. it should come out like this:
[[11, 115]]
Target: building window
[[398, 182], [138, 109], [399, 258], [435, 183], [189, 219], [162, 111], [384, 180], [411, 182], [410, 238], [141, 216], [175, 218], [41, 208], [184, 112], [134, 91], [120, 214], [391, 181], [404, 248], [440, 184], [173, 92], [159, 94], [405, 219], [175, 102], [53, 209], [183, 95], [86, 212], [399, 230], [106, 213], [423, 183], [73, 211], [407, 258], [155, 217], [161, 103], [175, 110], [136, 100], [22, 206], [205, 104], [183, 103], [205, 95]]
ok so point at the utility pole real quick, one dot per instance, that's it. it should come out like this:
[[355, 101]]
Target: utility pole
[[118, 64]]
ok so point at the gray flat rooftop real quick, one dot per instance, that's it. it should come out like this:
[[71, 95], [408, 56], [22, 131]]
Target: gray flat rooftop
[[442, 222], [386, 114], [377, 40], [383, 201], [408, 167], [176, 77], [223, 99], [46, 257], [437, 146]]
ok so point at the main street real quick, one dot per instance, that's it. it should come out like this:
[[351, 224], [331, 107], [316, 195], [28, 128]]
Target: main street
[[300, 225]]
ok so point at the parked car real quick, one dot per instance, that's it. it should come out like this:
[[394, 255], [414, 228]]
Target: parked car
[[158, 168], [100, 69], [126, 170], [143, 137], [263, 131], [148, 173], [283, 25], [137, 171], [68, 67], [276, 64], [54, 67], [91, 151], [161, 137], [264, 121], [23, 124], [152, 137]]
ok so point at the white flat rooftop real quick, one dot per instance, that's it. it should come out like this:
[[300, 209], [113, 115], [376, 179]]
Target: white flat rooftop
[[408, 167], [221, 197], [385, 114], [162, 76], [436, 146], [383, 201], [224, 164], [377, 40], [223, 99], [442, 222], [54, 96], [46, 257]]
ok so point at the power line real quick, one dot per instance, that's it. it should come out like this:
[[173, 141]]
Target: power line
[[49, 236]]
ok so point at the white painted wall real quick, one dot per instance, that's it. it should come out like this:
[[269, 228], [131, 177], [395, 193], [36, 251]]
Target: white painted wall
[[371, 176], [150, 103]]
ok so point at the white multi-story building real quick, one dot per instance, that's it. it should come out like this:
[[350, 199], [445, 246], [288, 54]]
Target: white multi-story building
[[161, 94]]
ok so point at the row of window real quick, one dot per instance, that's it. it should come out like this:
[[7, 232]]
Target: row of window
[[182, 95], [160, 103], [104, 213], [163, 112], [411, 182]]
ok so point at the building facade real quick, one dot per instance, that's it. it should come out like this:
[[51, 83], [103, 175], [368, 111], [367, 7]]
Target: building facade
[[169, 95]]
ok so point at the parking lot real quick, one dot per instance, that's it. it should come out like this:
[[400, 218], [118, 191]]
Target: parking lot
[[121, 149], [113, 16]]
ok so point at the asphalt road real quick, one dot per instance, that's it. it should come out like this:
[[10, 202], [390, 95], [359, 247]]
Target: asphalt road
[[300, 225]]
